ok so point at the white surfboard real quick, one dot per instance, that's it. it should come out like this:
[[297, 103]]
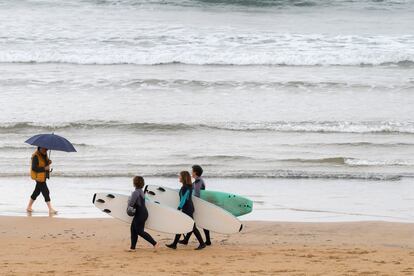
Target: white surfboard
[[206, 215], [161, 218]]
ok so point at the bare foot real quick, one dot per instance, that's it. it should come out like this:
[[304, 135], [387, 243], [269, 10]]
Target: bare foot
[[53, 212], [156, 246], [130, 250], [29, 210]]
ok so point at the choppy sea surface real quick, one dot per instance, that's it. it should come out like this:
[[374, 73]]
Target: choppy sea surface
[[281, 95]]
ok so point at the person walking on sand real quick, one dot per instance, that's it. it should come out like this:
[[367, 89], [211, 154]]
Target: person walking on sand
[[187, 207], [198, 185], [137, 208], [39, 172]]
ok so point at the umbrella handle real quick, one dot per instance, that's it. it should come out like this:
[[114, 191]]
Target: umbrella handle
[[50, 154]]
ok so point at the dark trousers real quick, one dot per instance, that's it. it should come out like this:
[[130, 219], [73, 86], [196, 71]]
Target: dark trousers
[[206, 233], [41, 187], [196, 233], [137, 229]]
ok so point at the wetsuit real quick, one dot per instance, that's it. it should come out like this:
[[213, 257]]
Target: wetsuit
[[41, 187], [186, 205], [137, 201], [198, 186]]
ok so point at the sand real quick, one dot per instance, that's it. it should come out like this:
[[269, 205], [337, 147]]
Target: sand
[[56, 246]]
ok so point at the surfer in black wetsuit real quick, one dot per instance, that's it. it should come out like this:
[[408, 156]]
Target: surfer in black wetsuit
[[198, 185], [137, 202], [186, 205]]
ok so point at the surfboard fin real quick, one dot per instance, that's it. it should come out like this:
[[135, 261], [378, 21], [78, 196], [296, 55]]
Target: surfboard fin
[[151, 193], [100, 200], [110, 196], [93, 199], [106, 211], [161, 189]]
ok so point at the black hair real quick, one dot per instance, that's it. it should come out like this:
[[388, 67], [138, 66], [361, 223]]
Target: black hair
[[198, 170]]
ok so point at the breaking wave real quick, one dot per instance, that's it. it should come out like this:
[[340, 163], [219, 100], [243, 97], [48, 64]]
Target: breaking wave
[[281, 126], [283, 174]]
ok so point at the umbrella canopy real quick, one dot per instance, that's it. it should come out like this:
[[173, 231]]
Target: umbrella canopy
[[51, 142]]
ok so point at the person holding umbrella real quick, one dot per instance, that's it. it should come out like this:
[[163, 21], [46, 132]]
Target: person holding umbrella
[[40, 166], [40, 171]]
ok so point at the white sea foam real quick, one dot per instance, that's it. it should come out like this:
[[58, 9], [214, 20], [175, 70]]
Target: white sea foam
[[328, 126], [362, 162], [218, 48]]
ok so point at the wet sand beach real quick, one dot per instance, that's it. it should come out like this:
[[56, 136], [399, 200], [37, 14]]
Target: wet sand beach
[[56, 246]]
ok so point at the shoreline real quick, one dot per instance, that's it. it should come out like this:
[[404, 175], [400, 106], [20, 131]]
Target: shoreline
[[274, 199], [62, 246], [44, 214]]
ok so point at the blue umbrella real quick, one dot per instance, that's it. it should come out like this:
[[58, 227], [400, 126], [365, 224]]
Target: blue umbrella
[[51, 142]]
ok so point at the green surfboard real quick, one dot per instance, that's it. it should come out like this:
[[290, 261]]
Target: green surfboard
[[234, 204]]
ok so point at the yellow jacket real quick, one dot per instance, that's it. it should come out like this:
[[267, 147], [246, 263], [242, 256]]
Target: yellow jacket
[[43, 162]]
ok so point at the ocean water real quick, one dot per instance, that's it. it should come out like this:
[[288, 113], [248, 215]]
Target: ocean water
[[280, 95]]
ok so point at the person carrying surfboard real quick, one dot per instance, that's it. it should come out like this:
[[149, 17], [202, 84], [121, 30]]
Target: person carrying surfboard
[[198, 185], [140, 213], [187, 207], [39, 172]]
